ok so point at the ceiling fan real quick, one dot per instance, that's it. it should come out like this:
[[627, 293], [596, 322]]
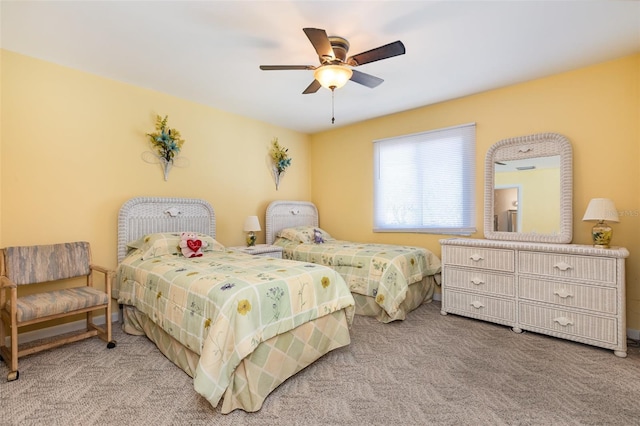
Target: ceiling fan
[[335, 67]]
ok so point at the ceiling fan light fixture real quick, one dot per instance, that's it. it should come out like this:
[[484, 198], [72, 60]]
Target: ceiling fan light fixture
[[332, 76]]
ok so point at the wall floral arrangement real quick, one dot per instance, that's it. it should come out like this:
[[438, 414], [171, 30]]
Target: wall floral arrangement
[[280, 160], [167, 144]]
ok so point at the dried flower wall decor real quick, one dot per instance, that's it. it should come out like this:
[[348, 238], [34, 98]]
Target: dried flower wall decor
[[280, 160], [167, 143]]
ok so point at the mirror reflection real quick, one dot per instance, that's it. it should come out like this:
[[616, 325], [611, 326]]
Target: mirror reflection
[[522, 188]]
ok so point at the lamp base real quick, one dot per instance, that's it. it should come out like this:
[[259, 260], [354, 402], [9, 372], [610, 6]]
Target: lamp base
[[602, 234], [251, 239]]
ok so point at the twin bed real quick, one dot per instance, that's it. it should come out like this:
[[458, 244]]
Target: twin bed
[[387, 281], [240, 325]]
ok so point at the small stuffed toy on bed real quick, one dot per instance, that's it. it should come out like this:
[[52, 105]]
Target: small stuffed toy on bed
[[317, 237], [191, 245]]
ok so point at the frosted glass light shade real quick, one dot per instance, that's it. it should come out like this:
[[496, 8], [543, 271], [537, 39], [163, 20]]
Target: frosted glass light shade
[[332, 76]]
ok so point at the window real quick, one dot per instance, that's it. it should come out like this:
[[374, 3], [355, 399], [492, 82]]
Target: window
[[425, 182]]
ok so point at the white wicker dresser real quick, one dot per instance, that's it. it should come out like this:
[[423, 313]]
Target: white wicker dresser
[[573, 292]]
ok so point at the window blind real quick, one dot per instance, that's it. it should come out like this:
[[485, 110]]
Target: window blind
[[425, 182]]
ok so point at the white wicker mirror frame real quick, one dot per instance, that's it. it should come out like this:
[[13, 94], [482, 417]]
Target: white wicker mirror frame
[[531, 146]]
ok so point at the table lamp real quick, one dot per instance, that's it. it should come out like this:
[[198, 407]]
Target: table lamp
[[599, 210], [251, 225]]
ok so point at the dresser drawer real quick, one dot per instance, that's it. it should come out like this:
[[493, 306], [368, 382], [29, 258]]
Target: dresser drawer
[[479, 306], [493, 259], [479, 281], [595, 298], [571, 325], [600, 270]]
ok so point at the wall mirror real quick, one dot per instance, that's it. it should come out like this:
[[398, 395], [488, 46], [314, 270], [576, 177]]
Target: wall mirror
[[528, 193]]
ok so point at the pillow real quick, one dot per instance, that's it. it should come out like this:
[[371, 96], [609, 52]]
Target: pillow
[[160, 244], [303, 234]]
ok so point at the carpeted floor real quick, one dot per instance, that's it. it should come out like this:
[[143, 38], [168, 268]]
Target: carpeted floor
[[427, 370]]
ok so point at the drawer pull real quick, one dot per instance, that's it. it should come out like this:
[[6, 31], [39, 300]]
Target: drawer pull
[[476, 304], [477, 281], [562, 266], [563, 293], [476, 257], [563, 321]]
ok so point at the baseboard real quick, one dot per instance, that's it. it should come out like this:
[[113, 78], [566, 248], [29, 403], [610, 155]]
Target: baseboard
[[70, 327]]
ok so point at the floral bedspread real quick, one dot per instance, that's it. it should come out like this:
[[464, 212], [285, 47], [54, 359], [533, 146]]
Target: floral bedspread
[[224, 304], [378, 270]]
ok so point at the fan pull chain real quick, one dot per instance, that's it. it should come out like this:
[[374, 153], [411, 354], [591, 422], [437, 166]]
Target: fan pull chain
[[333, 118]]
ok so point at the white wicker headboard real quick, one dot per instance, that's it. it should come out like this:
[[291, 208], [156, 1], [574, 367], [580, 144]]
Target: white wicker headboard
[[288, 214], [146, 215]]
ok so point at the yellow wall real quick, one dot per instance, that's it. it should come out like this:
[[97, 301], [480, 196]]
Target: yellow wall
[[1, 57], [596, 107], [71, 146]]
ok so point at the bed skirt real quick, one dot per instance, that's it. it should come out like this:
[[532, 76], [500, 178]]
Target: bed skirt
[[272, 362], [418, 293]]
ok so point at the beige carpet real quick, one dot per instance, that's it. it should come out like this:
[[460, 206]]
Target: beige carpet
[[429, 369]]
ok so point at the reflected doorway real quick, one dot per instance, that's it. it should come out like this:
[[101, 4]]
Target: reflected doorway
[[506, 209]]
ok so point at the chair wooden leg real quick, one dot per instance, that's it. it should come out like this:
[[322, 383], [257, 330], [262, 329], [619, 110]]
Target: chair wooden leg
[[107, 322], [107, 326], [3, 332], [14, 352], [14, 337], [3, 335], [3, 339], [9, 355]]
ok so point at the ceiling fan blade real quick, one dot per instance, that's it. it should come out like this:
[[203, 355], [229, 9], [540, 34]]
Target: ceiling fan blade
[[320, 42], [365, 79], [313, 87], [286, 67], [383, 52]]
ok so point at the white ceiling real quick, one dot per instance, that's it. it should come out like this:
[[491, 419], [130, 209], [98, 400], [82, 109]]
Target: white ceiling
[[209, 51]]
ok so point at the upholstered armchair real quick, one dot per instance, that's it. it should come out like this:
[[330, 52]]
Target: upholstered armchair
[[43, 265]]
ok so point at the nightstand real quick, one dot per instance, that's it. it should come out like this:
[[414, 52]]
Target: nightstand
[[264, 250]]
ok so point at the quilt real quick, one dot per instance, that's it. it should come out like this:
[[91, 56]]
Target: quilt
[[381, 271], [224, 304]]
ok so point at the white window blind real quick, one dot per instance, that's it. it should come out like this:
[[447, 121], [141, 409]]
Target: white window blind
[[425, 182]]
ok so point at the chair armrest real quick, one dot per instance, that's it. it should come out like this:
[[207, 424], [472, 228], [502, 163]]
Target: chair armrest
[[5, 282], [101, 269], [108, 276]]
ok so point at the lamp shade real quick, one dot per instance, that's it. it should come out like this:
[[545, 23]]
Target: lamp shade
[[251, 224], [332, 76], [601, 209]]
